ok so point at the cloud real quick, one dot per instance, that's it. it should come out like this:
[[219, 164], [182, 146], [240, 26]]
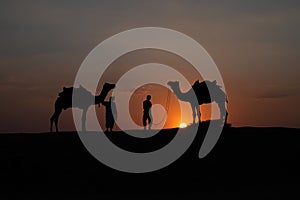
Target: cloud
[[273, 95]]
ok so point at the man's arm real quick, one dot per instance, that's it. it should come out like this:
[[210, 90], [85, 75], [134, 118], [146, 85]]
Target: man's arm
[[150, 110]]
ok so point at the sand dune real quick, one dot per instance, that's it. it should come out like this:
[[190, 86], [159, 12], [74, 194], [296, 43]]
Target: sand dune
[[246, 163]]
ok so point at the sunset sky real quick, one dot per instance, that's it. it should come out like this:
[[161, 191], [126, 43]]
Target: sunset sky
[[255, 44]]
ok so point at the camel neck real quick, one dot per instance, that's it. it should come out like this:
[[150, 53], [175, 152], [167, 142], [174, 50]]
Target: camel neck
[[100, 98], [178, 93]]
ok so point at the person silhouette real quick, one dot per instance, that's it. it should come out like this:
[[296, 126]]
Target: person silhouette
[[147, 112], [111, 112]]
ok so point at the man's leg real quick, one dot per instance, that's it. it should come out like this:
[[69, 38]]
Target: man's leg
[[150, 122], [144, 121]]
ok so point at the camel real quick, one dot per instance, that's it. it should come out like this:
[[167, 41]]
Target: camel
[[203, 97], [85, 100]]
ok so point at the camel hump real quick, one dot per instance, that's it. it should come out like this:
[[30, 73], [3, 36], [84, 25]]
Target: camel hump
[[82, 92], [68, 92], [204, 84], [200, 86], [202, 91]]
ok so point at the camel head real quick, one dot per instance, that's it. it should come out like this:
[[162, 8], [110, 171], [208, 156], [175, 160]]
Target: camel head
[[108, 86], [173, 84]]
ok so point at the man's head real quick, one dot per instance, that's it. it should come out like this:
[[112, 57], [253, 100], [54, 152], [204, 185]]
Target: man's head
[[148, 97]]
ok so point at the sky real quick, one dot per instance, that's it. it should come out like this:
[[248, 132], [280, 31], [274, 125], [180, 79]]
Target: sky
[[255, 45]]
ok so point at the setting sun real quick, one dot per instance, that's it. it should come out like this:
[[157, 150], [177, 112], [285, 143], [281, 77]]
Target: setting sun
[[182, 125]]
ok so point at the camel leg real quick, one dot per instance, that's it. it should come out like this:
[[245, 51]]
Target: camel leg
[[54, 119], [198, 113], [194, 113], [57, 114], [83, 119], [223, 112]]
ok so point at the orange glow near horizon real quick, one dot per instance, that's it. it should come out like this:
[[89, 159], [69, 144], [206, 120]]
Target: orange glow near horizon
[[182, 125], [160, 95], [178, 114]]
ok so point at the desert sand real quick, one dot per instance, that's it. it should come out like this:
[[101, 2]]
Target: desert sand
[[246, 163]]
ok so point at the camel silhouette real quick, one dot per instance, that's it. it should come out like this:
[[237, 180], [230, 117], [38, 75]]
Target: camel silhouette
[[86, 99], [203, 97]]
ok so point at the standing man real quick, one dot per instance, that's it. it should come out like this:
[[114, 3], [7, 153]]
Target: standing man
[[111, 111], [147, 112]]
